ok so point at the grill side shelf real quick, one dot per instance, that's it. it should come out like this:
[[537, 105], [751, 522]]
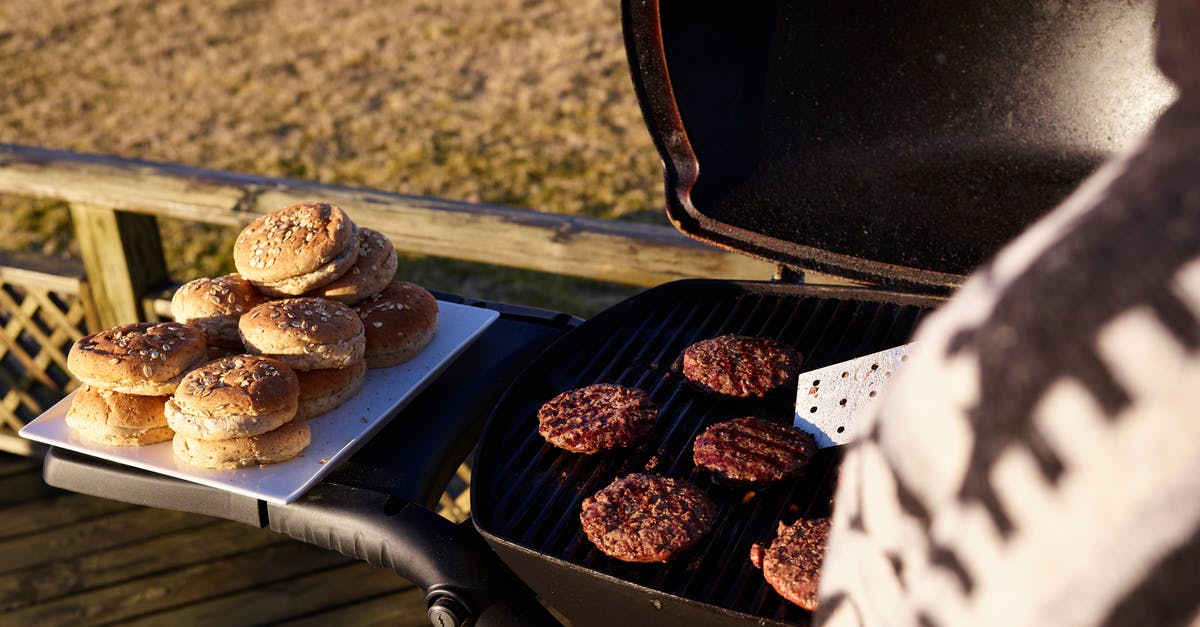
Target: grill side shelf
[[97, 477]]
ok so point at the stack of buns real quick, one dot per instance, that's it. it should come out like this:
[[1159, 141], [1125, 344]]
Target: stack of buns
[[322, 340], [127, 373], [296, 249], [237, 411], [288, 337]]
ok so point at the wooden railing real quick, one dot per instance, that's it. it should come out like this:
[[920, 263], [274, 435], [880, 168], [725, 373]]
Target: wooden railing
[[115, 204]]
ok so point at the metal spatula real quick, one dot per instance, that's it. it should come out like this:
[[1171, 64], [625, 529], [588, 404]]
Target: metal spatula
[[830, 400]]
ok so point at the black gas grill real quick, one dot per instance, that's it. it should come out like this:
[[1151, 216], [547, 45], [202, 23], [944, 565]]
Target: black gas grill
[[894, 143]]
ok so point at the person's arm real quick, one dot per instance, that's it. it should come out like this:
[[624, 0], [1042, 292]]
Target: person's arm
[[1037, 462]]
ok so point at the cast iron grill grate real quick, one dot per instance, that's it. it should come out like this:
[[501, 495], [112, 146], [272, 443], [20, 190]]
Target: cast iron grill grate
[[529, 493]]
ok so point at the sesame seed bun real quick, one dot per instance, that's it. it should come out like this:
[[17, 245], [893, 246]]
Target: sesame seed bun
[[232, 397], [375, 267], [305, 333], [214, 305], [272, 447], [118, 419], [296, 249], [399, 322], [146, 358], [322, 391]]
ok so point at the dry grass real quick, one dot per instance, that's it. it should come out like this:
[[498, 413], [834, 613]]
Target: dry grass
[[525, 103]]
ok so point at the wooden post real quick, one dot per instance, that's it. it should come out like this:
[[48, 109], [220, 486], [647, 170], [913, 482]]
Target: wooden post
[[123, 257]]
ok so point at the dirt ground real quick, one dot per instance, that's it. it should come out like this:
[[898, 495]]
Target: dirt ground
[[519, 102]]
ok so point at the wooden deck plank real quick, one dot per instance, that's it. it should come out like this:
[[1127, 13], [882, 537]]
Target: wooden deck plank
[[405, 608], [121, 528], [14, 464], [294, 597], [160, 592], [22, 485], [99, 562], [64, 508], [61, 577]]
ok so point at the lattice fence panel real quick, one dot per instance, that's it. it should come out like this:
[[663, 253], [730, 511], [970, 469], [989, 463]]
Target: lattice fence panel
[[41, 315]]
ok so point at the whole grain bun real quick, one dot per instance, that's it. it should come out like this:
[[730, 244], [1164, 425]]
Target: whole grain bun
[[322, 391], [118, 419], [296, 249], [271, 447], [399, 322], [236, 396], [305, 333], [146, 358], [375, 267], [213, 305]]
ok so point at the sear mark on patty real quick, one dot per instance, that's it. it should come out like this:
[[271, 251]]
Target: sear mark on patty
[[792, 562], [597, 418], [647, 518], [753, 450], [740, 366]]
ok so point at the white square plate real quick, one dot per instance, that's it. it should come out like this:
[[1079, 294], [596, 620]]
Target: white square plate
[[335, 435]]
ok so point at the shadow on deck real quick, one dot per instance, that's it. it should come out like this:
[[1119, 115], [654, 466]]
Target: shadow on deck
[[72, 559]]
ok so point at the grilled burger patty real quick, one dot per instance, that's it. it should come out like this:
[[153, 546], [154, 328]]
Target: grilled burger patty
[[647, 518], [792, 562], [740, 365], [753, 450], [597, 417]]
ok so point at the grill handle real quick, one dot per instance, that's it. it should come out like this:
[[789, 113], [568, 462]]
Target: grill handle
[[465, 583]]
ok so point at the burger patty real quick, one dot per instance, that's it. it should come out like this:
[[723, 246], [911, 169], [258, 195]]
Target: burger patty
[[753, 450], [597, 417], [647, 518], [792, 563], [740, 365]]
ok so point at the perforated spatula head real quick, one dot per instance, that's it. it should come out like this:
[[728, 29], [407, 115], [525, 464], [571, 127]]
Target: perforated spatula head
[[830, 400]]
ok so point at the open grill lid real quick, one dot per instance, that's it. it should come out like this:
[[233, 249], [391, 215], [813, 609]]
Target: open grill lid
[[890, 142]]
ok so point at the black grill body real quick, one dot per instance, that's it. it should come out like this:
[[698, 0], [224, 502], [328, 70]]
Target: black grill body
[[526, 494]]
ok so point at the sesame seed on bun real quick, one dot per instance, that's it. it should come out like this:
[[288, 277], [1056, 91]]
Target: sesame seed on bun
[[146, 358], [232, 397], [213, 305], [399, 322], [296, 249], [375, 267], [305, 333]]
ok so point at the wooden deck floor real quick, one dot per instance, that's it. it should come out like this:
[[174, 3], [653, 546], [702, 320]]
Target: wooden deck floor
[[71, 559]]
